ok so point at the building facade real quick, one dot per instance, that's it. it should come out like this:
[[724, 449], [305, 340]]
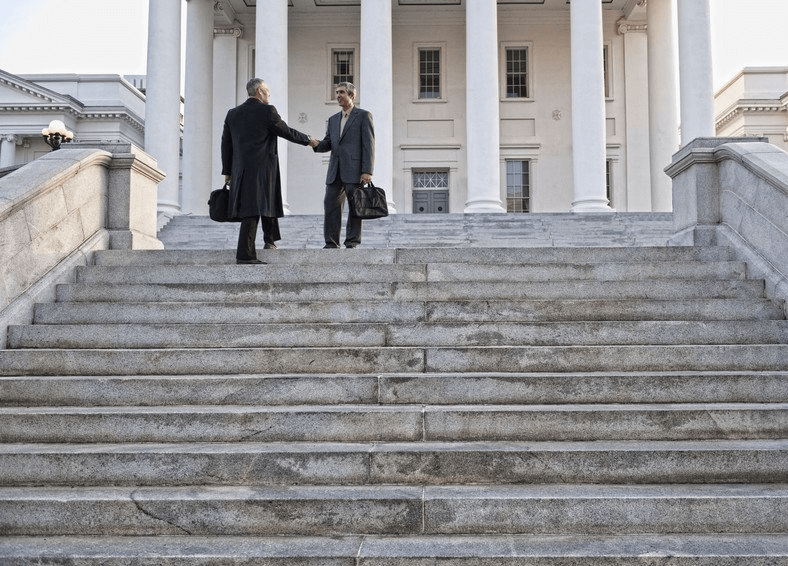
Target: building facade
[[754, 103], [479, 105]]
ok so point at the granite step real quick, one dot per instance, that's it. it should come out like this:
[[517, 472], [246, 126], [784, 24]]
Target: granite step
[[377, 550], [391, 463], [380, 334], [273, 291], [395, 423], [374, 256], [347, 273], [393, 359], [493, 388], [395, 510], [394, 311]]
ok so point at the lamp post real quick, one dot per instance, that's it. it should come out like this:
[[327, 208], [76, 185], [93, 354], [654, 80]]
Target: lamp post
[[56, 134]]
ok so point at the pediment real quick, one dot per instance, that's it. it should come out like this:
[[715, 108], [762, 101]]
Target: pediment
[[15, 90]]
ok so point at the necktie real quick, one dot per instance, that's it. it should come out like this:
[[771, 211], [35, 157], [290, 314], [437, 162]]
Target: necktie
[[342, 122]]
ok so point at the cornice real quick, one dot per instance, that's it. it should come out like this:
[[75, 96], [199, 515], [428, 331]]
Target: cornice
[[31, 89], [742, 107], [89, 114]]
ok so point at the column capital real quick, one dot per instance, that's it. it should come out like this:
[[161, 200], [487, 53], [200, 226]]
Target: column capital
[[236, 31], [11, 138], [623, 27]]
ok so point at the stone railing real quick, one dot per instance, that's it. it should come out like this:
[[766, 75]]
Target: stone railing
[[58, 209], [734, 192]]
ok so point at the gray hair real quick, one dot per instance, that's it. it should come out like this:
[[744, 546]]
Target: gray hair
[[253, 85], [350, 88]]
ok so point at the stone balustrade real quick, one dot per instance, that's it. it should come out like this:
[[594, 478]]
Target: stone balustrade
[[734, 192], [58, 209]]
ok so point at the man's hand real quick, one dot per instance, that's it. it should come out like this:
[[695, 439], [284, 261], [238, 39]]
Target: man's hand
[[366, 178], [313, 142], [227, 179]]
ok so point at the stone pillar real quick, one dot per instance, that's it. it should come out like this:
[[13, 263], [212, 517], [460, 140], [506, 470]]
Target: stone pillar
[[662, 101], [589, 143], [271, 66], [695, 72], [377, 87], [8, 143], [163, 99], [225, 80], [198, 108], [637, 114], [482, 113]]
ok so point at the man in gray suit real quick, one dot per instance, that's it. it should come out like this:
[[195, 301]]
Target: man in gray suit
[[350, 137]]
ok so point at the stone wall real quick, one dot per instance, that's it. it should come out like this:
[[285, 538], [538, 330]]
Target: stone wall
[[734, 192], [58, 209]]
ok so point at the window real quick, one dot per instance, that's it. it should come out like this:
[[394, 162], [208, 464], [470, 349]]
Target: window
[[429, 72], [430, 179], [606, 68], [609, 181], [517, 72], [518, 186], [341, 66]]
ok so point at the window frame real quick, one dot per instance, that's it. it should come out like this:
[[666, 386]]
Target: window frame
[[440, 47], [502, 61], [529, 198], [333, 48]]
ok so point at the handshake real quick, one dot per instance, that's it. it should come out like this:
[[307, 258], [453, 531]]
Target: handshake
[[313, 141]]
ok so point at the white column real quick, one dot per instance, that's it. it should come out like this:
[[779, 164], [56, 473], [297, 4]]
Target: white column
[[163, 99], [662, 101], [8, 144], [198, 107], [482, 113], [695, 72], [636, 93], [589, 144], [377, 87], [225, 79], [271, 66]]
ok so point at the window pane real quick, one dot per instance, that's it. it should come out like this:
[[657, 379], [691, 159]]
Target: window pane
[[430, 179], [343, 66], [517, 73], [518, 186], [429, 73]]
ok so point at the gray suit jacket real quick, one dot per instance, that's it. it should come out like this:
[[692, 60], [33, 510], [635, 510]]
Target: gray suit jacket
[[352, 153]]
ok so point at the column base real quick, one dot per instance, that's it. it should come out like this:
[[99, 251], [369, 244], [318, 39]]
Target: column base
[[482, 207], [592, 205]]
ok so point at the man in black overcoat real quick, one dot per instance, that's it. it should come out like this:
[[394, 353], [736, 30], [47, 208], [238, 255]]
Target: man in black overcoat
[[250, 164], [350, 137]]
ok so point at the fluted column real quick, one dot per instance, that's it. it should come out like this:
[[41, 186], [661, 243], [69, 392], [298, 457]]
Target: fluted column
[[8, 143], [482, 107], [163, 99], [662, 101], [271, 66], [695, 72], [589, 144], [198, 107], [377, 87], [637, 116], [225, 83]]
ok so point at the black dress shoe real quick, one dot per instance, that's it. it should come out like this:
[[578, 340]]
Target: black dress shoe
[[250, 261], [351, 246], [330, 247], [268, 246]]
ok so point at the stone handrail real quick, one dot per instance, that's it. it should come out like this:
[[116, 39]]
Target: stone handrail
[[58, 209], [734, 192]]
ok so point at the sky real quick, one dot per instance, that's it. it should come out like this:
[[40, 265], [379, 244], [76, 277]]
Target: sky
[[110, 36]]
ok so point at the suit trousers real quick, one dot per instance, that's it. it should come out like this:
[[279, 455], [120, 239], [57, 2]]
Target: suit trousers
[[336, 194], [248, 233]]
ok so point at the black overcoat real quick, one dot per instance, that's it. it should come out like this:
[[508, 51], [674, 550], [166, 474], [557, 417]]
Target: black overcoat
[[249, 155]]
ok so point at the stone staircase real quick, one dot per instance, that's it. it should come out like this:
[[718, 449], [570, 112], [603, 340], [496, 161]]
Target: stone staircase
[[399, 404]]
